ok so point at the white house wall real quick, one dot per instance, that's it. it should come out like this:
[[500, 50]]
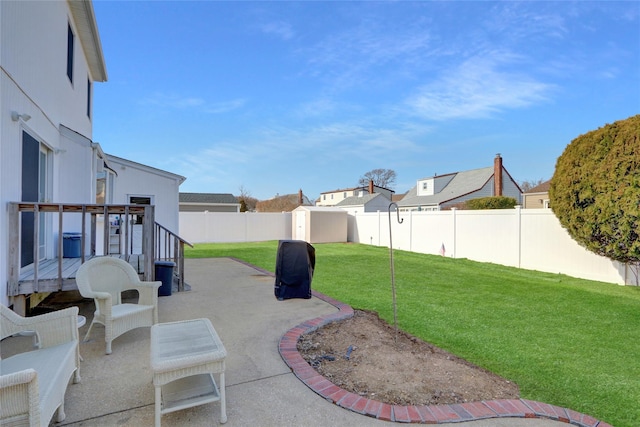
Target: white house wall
[[36, 32], [138, 180], [33, 81], [76, 177]]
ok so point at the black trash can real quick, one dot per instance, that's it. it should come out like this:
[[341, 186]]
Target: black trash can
[[164, 274], [71, 245]]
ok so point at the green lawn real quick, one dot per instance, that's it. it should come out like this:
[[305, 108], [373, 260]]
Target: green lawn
[[570, 342]]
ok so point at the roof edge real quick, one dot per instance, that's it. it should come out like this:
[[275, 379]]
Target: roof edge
[[85, 18]]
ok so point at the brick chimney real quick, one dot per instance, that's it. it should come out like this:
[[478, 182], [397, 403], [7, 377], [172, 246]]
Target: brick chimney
[[300, 197], [497, 175], [370, 186]]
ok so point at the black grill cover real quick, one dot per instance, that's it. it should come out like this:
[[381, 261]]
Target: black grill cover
[[295, 262]]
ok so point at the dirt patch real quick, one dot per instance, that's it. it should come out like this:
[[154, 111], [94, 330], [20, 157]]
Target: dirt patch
[[360, 356]]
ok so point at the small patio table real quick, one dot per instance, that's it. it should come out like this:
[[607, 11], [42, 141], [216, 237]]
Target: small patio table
[[184, 357]]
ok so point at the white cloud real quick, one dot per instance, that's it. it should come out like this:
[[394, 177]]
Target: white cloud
[[351, 57], [225, 106], [315, 108], [477, 88], [186, 102], [172, 101], [280, 29], [517, 21]]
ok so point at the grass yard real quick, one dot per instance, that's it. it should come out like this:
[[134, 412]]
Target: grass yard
[[570, 342]]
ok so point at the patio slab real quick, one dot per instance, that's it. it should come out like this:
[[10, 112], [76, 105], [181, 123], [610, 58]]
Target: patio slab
[[261, 389]]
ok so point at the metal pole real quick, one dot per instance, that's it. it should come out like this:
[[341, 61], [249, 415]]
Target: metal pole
[[393, 278]]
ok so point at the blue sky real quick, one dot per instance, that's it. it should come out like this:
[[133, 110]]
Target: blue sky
[[277, 96]]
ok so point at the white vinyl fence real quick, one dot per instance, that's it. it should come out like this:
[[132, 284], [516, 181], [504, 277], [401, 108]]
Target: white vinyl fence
[[526, 238], [219, 227]]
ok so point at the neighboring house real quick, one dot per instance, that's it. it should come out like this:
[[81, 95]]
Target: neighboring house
[[209, 202], [537, 197], [365, 203], [332, 198], [445, 191], [397, 197]]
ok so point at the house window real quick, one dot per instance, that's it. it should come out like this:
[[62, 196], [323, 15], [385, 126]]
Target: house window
[[344, 195], [70, 42], [324, 197], [425, 186], [88, 98]]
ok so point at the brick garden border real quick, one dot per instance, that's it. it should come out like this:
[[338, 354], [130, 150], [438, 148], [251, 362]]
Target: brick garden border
[[423, 414]]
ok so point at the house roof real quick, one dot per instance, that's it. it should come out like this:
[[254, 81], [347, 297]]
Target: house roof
[[541, 188], [361, 187], [87, 28], [359, 200], [462, 183], [207, 198], [150, 169]]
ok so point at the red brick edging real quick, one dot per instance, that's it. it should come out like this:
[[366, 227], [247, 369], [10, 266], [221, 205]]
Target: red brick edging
[[431, 414], [424, 414]]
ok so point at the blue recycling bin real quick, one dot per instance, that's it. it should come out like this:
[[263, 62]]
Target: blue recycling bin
[[164, 274], [71, 245]]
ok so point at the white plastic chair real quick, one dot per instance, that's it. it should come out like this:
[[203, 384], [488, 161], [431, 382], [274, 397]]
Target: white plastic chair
[[104, 279]]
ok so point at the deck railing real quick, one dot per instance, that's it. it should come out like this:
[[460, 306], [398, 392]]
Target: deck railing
[[124, 215], [170, 247]]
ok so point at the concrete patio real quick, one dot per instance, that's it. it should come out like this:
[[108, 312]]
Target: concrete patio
[[261, 389]]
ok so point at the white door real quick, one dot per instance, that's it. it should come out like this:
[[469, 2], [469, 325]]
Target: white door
[[300, 225]]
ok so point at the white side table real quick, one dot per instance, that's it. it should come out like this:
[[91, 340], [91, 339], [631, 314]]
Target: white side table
[[184, 357]]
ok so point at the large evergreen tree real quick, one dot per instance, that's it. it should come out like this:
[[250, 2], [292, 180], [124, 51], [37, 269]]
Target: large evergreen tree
[[595, 190]]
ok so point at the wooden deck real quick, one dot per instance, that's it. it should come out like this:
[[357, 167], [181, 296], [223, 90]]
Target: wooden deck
[[48, 280], [54, 275]]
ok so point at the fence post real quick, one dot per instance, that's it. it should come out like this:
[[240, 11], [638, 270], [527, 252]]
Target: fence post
[[519, 214], [453, 219], [410, 231]]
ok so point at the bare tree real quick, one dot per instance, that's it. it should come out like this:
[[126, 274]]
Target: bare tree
[[285, 203], [247, 203], [528, 185], [381, 177]]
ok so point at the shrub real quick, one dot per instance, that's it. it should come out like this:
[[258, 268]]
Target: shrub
[[496, 202], [595, 190]]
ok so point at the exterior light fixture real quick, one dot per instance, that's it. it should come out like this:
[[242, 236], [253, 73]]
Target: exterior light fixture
[[15, 116]]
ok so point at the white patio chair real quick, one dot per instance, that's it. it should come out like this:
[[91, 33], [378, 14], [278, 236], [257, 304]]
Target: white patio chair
[[33, 383], [104, 279]]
